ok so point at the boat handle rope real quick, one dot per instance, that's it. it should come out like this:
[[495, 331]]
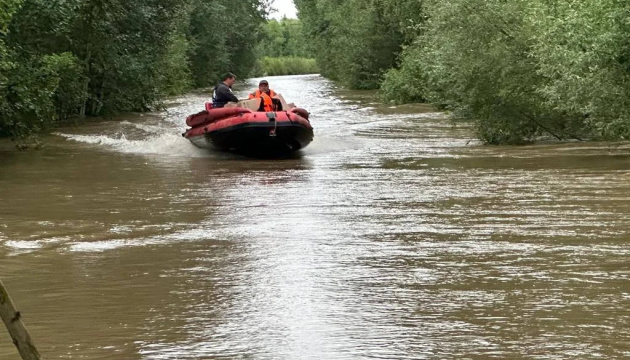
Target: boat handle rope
[[272, 117]]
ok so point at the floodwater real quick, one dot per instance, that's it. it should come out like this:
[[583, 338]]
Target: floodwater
[[394, 235]]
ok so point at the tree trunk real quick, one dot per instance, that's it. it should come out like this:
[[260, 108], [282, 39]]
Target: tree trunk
[[11, 318], [86, 85]]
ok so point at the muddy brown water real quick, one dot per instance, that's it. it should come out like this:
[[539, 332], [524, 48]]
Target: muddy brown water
[[394, 235]]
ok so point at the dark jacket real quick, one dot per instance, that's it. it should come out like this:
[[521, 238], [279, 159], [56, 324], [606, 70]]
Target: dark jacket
[[221, 95]]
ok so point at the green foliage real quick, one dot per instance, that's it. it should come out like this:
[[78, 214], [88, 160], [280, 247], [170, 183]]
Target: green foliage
[[407, 83], [520, 69], [122, 46], [488, 76], [174, 67], [582, 51], [224, 35], [355, 41], [284, 38], [38, 92], [272, 66], [7, 9], [209, 53], [284, 50], [64, 58], [543, 69], [68, 73]]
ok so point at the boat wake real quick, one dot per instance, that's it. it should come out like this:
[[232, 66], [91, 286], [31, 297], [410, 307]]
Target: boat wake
[[71, 243], [165, 144], [174, 145], [333, 144]]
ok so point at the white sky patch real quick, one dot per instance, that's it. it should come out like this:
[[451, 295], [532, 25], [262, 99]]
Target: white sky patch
[[284, 8]]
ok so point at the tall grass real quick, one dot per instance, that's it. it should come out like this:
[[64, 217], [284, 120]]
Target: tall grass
[[272, 66]]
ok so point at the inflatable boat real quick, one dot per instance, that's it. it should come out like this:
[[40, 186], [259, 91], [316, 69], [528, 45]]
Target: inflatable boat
[[255, 133]]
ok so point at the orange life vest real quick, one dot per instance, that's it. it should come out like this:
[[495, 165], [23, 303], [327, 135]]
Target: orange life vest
[[267, 101]]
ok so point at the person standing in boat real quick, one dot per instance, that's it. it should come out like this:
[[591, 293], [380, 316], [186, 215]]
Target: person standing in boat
[[269, 101], [222, 93]]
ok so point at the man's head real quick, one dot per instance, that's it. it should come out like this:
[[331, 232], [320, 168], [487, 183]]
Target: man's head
[[263, 86], [229, 79]]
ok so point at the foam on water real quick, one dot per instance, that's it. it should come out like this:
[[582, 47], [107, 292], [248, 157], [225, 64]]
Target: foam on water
[[168, 144], [147, 128], [195, 234], [126, 238], [27, 246]]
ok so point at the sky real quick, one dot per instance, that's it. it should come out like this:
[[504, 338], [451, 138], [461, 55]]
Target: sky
[[285, 8]]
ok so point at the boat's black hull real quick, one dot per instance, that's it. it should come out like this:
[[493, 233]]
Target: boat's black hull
[[258, 139]]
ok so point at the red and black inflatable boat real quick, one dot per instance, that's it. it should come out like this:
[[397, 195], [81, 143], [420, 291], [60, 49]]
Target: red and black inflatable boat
[[250, 132]]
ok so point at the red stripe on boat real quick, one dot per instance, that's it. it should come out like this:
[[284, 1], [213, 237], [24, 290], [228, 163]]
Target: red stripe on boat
[[215, 114], [260, 118], [302, 112]]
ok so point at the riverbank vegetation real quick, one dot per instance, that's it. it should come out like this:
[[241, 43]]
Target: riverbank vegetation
[[284, 49], [75, 58], [290, 65], [520, 69]]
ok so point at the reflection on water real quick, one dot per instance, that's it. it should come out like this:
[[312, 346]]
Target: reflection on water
[[394, 235]]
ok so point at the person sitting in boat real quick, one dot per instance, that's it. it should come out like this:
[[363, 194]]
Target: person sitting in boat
[[222, 93], [269, 101]]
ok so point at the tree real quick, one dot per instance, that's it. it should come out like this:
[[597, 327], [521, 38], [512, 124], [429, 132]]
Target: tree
[[63, 58], [218, 48], [7, 10], [522, 69], [355, 50], [284, 38]]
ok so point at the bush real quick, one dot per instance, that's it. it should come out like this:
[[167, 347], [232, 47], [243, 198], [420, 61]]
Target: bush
[[69, 93], [60, 58], [522, 69], [480, 65], [582, 52], [355, 50], [40, 92], [288, 66], [407, 84]]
